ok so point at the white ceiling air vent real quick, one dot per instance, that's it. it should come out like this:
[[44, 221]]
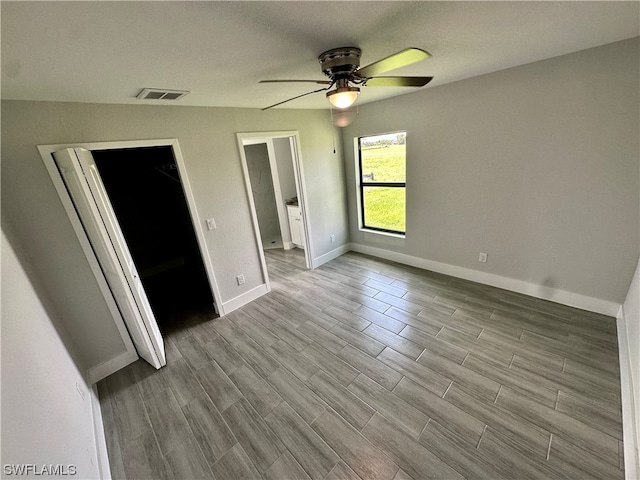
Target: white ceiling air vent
[[161, 94]]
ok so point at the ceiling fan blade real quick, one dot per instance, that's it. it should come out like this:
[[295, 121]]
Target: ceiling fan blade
[[319, 82], [293, 98], [398, 81], [397, 60]]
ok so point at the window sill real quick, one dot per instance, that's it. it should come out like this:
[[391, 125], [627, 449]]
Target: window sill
[[384, 234]]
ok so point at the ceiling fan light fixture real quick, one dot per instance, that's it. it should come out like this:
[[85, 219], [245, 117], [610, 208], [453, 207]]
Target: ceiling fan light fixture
[[343, 97]]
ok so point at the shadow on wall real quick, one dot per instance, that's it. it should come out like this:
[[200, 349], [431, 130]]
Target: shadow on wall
[[42, 294], [547, 287]]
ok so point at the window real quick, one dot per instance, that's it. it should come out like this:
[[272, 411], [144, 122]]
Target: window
[[382, 162]]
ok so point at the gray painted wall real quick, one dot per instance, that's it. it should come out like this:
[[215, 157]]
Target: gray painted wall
[[263, 194], [287, 178], [207, 138], [44, 419], [536, 165]]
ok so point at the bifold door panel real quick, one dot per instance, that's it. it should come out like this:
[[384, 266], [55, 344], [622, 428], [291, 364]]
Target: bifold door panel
[[82, 180]]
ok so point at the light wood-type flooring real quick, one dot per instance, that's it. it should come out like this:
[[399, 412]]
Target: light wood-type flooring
[[366, 369]]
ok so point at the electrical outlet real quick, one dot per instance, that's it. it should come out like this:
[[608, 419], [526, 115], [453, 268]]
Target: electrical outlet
[[482, 257], [240, 279], [332, 238], [211, 223]]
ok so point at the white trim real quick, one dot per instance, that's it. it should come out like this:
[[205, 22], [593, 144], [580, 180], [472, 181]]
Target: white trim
[[629, 402], [564, 297], [106, 368], [327, 257], [245, 298], [100, 441]]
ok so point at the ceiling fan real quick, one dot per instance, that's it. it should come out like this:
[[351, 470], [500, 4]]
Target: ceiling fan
[[342, 64]]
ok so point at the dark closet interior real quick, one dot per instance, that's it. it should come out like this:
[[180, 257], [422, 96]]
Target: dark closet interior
[[145, 191]]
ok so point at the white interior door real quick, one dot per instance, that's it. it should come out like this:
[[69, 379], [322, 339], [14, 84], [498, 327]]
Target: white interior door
[[81, 177]]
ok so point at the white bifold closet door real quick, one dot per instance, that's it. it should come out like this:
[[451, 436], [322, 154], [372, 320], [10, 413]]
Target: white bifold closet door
[[81, 177]]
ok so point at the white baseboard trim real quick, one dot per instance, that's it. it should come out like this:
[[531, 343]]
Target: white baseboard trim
[[571, 299], [102, 455], [327, 257], [631, 437], [246, 297], [104, 369]]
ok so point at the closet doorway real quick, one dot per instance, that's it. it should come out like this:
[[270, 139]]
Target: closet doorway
[[131, 206]]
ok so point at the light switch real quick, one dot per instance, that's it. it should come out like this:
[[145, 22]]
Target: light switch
[[211, 223]]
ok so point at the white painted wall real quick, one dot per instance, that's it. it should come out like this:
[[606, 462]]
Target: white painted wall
[[536, 165], [207, 138], [629, 348], [44, 419]]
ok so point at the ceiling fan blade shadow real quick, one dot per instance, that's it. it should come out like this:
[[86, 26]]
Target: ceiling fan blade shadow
[[293, 98], [397, 60], [398, 81], [319, 82]]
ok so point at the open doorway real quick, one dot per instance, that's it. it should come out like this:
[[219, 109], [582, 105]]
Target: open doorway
[[274, 180], [151, 208]]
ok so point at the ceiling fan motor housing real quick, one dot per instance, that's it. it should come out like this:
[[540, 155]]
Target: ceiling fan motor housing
[[340, 62]]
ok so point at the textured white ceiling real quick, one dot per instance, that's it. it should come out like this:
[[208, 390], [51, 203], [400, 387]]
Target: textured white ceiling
[[108, 51]]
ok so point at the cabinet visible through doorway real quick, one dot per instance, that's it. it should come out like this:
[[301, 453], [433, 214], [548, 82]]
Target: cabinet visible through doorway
[[295, 225]]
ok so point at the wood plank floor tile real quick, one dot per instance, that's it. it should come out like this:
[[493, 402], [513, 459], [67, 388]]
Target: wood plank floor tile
[[558, 423], [258, 392], [356, 451], [402, 414], [468, 461], [390, 339], [373, 368], [142, 458], [511, 461], [309, 450], [572, 460], [342, 472], [209, 428], [600, 416], [466, 426], [252, 353], [294, 361], [522, 381], [426, 377], [128, 408], [224, 355], [435, 345], [400, 303], [259, 442], [358, 339], [347, 318], [422, 321], [285, 468], [410, 455], [235, 464], [380, 319], [330, 363], [187, 461], [516, 428], [350, 363], [221, 390], [296, 394], [167, 420], [349, 406], [322, 336]]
